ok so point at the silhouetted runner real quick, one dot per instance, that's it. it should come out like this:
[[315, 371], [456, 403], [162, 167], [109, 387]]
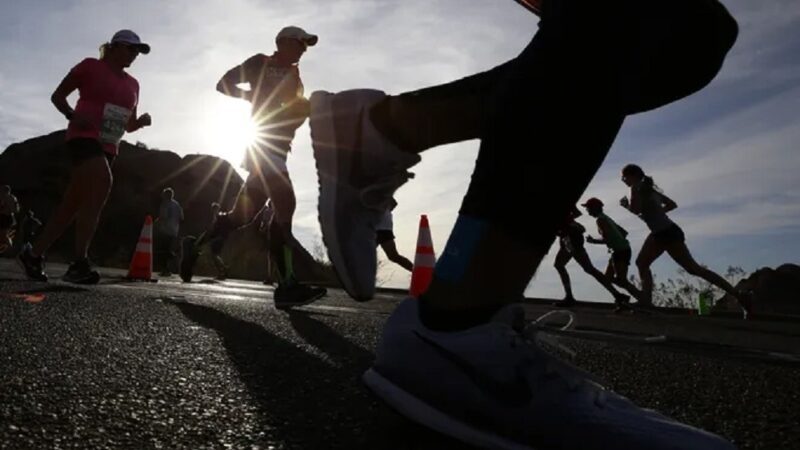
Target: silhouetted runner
[[106, 109], [614, 237], [278, 109], [652, 205], [9, 206], [168, 226], [570, 246], [384, 237]]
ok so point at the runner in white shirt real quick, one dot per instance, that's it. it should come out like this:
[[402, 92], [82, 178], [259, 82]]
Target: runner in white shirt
[[384, 234]]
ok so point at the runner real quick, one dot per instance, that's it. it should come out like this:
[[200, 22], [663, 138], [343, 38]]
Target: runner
[[217, 234], [9, 206], [615, 238], [106, 109], [278, 109], [652, 205], [384, 236], [168, 224], [459, 359], [570, 241]]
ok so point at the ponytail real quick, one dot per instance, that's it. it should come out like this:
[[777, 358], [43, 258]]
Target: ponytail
[[104, 49]]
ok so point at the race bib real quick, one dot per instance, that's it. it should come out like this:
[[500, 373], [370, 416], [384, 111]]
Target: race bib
[[115, 120]]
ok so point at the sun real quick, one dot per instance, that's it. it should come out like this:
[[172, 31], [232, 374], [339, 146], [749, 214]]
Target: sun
[[229, 130]]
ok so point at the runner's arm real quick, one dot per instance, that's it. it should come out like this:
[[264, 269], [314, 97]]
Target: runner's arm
[[604, 228], [667, 203], [593, 240], [137, 122], [635, 205], [59, 97], [228, 84]]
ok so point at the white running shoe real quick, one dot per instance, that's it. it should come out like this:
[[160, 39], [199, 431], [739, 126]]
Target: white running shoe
[[359, 171], [494, 387]]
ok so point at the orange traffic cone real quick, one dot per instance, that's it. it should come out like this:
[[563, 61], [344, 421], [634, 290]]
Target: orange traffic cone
[[142, 263], [424, 260]]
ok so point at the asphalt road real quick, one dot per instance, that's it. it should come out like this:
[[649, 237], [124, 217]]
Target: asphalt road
[[215, 365]]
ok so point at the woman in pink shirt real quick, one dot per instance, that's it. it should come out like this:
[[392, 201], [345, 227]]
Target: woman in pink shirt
[[106, 109]]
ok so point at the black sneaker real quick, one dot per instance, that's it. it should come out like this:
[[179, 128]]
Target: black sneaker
[[296, 294], [33, 266], [80, 272], [622, 302], [568, 302]]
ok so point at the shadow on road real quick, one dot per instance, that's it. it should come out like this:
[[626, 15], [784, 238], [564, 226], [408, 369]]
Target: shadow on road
[[303, 400]]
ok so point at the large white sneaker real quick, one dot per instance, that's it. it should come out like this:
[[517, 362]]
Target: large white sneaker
[[492, 386], [359, 171]]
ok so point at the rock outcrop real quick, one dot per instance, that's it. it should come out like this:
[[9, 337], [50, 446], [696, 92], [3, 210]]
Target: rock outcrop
[[38, 171]]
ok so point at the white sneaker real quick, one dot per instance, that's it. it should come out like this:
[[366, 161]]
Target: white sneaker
[[359, 171], [492, 386]]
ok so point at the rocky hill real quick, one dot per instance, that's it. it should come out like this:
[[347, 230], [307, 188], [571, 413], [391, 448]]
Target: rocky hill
[[38, 171], [775, 291]]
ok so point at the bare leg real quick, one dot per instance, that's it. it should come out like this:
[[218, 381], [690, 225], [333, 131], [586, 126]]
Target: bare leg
[[64, 214], [586, 264], [562, 258], [650, 251], [681, 254], [390, 248], [95, 185], [620, 277]]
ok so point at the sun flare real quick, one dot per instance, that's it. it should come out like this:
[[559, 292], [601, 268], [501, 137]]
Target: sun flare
[[230, 130]]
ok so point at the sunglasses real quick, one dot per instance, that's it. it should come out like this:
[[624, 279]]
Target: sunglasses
[[130, 47]]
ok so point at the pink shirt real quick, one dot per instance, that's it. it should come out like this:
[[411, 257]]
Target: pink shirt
[[107, 98]]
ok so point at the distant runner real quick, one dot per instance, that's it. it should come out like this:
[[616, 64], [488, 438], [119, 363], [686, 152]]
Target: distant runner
[[615, 238], [570, 242], [652, 205], [384, 234], [9, 206], [168, 225]]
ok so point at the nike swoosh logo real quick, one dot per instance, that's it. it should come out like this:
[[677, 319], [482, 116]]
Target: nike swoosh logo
[[514, 393]]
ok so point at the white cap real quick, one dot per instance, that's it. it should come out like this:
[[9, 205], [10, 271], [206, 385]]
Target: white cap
[[292, 32], [130, 38]]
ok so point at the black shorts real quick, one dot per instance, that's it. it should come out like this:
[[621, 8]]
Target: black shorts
[[669, 235], [382, 236], [81, 149], [6, 221], [622, 257]]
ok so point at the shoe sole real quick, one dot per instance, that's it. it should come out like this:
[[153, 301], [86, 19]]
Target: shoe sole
[[328, 158], [305, 302], [420, 412]]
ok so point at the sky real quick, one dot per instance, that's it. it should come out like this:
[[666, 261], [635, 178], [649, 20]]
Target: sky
[[728, 155]]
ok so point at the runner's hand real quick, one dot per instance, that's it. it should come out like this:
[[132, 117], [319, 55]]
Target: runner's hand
[[624, 202], [144, 120]]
